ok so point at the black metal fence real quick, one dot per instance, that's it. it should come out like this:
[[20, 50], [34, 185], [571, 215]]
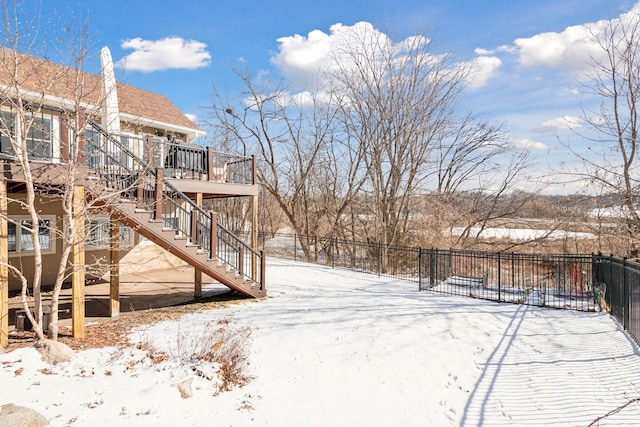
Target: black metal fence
[[368, 258], [577, 282], [559, 281], [617, 284]]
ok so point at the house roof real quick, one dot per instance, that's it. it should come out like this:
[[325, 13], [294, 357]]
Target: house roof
[[55, 82]]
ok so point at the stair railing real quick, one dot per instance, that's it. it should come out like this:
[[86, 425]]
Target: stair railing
[[129, 176]]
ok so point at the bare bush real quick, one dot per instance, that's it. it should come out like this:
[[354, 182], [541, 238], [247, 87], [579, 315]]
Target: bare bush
[[219, 351]]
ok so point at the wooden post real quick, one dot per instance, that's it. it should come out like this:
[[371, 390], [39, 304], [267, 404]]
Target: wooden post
[[210, 164], [213, 237], [159, 204], [254, 235], [197, 275], [4, 271], [114, 261], [241, 261], [149, 152], [78, 279], [193, 227], [254, 170]]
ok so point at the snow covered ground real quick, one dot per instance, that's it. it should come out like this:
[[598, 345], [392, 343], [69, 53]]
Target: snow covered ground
[[521, 233], [331, 348]]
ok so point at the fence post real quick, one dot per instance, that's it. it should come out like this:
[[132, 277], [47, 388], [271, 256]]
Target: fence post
[[419, 269], [513, 271], [379, 259], [625, 295], [432, 267], [295, 249], [332, 245], [611, 282], [499, 277], [263, 269]]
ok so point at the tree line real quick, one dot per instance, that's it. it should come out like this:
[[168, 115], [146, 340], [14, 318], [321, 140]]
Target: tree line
[[351, 159]]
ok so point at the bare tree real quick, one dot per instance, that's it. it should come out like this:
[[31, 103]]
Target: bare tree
[[352, 158], [28, 135], [397, 101], [610, 163], [470, 149], [296, 142]]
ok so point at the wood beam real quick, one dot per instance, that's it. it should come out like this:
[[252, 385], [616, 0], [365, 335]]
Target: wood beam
[[4, 271], [114, 261], [78, 279]]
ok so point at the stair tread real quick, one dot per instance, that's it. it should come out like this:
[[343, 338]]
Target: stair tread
[[139, 219]]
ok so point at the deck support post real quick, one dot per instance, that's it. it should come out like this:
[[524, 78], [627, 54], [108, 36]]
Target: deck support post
[[114, 264], [158, 204], [197, 275], [254, 235], [78, 262], [4, 270]]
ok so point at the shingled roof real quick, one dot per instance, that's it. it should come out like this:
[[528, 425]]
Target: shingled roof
[[43, 77]]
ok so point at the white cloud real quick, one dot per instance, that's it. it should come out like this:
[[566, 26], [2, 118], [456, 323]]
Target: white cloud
[[302, 58], [166, 53], [192, 117], [528, 144], [571, 49], [480, 51], [562, 123], [502, 48], [481, 70]]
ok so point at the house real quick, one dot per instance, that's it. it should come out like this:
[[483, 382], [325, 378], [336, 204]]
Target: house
[[139, 176]]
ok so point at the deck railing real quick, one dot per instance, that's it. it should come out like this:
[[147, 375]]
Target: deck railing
[[192, 161], [125, 174]]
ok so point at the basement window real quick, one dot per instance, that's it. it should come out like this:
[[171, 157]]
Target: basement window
[[20, 240], [98, 234]]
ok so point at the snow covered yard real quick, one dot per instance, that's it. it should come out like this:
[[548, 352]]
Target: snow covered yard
[[331, 348]]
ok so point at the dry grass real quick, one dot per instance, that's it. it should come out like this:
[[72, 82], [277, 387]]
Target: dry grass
[[222, 345]]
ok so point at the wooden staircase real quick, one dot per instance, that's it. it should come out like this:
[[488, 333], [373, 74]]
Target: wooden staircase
[[199, 240], [140, 220]]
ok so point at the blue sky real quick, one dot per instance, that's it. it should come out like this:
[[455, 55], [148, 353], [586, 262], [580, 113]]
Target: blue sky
[[527, 52]]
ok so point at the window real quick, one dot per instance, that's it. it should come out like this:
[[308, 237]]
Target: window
[[19, 237], [40, 137], [92, 148], [98, 234], [7, 122]]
